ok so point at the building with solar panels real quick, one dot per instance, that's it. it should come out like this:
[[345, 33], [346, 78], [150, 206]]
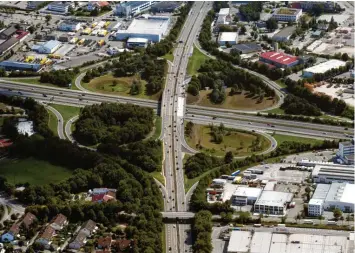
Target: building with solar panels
[[246, 48]]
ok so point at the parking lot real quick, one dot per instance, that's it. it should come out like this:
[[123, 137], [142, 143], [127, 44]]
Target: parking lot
[[317, 156]]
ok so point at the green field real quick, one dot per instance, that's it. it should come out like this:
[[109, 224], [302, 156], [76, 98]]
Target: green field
[[169, 56], [35, 172], [276, 111], [281, 83], [158, 176], [282, 138], [195, 61], [67, 111], [53, 122], [239, 142], [105, 84]]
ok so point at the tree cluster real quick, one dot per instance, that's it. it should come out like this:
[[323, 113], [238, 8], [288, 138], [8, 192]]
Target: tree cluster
[[61, 78], [200, 163], [251, 11], [201, 232], [299, 106], [113, 123]]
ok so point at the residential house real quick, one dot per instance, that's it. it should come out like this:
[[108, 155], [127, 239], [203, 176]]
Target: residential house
[[45, 238], [59, 222], [103, 195], [104, 242], [28, 219], [79, 241], [88, 228], [97, 5], [11, 234], [122, 245]]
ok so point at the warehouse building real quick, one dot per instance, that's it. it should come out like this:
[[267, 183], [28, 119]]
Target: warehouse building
[[48, 47], [8, 32], [152, 28], [167, 6], [239, 242], [22, 66], [245, 196], [230, 38], [287, 14], [333, 173], [278, 59], [137, 42], [323, 67], [327, 197], [8, 44], [285, 34], [272, 202], [246, 48], [132, 8], [69, 26]]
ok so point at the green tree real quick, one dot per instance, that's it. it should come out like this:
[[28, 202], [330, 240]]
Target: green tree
[[228, 158], [48, 18], [337, 213]]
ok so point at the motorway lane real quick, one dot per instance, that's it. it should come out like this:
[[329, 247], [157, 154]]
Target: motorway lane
[[60, 121], [256, 126]]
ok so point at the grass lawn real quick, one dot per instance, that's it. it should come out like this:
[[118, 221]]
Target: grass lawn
[[67, 111], [281, 83], [53, 122], [158, 176], [157, 128], [35, 172], [276, 110], [236, 141], [241, 101], [188, 183], [282, 138], [104, 84], [169, 56], [195, 61]]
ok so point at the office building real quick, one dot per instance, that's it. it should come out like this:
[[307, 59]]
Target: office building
[[273, 202], [315, 207], [287, 14], [245, 196], [132, 8], [323, 67], [137, 42], [333, 173], [346, 152], [230, 38], [69, 26], [278, 59], [223, 16], [153, 28], [61, 7]]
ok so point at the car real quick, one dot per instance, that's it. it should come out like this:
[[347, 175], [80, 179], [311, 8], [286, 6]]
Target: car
[[170, 247], [9, 89], [44, 95], [272, 126], [324, 133], [174, 226], [20, 92], [249, 123]]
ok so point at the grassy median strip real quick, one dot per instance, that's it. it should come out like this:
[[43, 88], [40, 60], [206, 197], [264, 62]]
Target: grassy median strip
[[283, 138], [52, 122]]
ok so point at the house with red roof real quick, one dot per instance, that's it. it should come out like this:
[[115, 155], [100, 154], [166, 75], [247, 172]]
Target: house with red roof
[[100, 195]]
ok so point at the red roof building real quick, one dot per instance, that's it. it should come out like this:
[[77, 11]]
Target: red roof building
[[279, 59]]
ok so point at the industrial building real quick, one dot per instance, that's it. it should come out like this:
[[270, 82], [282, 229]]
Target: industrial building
[[223, 16], [287, 14], [245, 196], [230, 38], [323, 67], [166, 6], [8, 32], [270, 186], [152, 28], [137, 42], [8, 44], [346, 152], [22, 66], [132, 8], [69, 26], [328, 197], [284, 34], [61, 7], [333, 173], [246, 48], [48, 47], [268, 242], [278, 59], [273, 202]]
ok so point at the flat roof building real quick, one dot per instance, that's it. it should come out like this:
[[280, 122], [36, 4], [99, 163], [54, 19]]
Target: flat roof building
[[272, 202], [224, 12], [61, 7], [8, 44], [284, 34], [132, 8], [287, 14], [230, 38], [260, 242], [245, 196], [323, 67], [49, 47], [152, 28], [137, 42], [278, 59], [69, 26], [247, 48], [346, 151], [333, 173], [239, 242], [24, 66], [8, 32]]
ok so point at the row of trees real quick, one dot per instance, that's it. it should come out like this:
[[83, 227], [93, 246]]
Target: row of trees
[[113, 123], [299, 106], [197, 164], [215, 74], [324, 102], [198, 199], [201, 232], [61, 78]]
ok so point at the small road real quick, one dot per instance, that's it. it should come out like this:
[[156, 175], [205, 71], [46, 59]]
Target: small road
[[68, 132], [60, 121], [78, 82]]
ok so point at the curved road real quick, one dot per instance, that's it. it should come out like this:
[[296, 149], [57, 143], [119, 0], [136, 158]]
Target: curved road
[[68, 132], [60, 121]]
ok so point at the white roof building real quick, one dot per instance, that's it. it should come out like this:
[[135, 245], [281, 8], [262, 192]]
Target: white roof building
[[260, 242], [323, 67], [333, 173], [273, 202], [230, 37], [224, 12], [340, 195], [239, 242]]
